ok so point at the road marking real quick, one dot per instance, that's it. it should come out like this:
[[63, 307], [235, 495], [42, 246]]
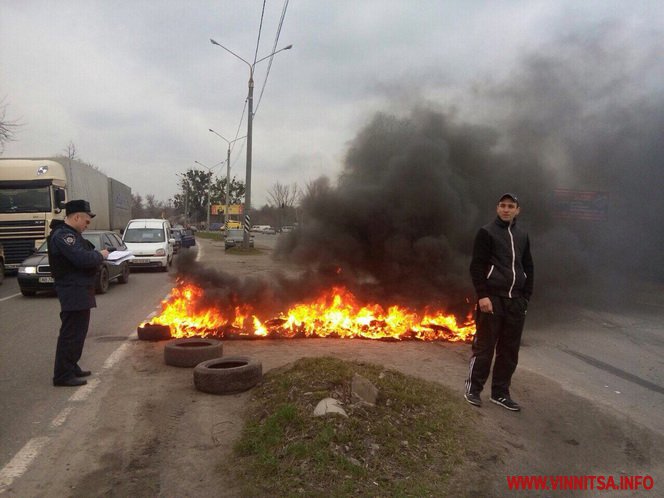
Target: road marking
[[199, 253], [115, 356], [9, 297], [61, 417], [82, 393], [21, 461], [24, 458]]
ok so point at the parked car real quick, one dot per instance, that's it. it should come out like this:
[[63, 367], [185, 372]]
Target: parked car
[[151, 242], [235, 237], [263, 229], [287, 228], [184, 238], [34, 274]]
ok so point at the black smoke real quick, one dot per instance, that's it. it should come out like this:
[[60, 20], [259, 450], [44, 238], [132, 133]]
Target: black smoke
[[398, 223], [584, 115]]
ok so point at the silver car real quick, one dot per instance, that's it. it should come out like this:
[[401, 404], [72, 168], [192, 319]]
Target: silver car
[[234, 238]]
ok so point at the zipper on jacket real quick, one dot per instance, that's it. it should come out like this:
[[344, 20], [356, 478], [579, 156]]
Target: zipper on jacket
[[509, 230]]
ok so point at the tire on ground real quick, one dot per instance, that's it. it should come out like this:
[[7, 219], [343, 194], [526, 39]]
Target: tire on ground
[[191, 351], [154, 332], [227, 375]]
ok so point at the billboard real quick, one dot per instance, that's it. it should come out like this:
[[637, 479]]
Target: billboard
[[221, 209], [584, 205]]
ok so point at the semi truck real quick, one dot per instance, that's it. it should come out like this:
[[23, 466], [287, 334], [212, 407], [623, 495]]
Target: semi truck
[[33, 192]]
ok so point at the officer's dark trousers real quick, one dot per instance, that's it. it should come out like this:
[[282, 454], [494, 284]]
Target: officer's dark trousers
[[499, 331], [73, 330]]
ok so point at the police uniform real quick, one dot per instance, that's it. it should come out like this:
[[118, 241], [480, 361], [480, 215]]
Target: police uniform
[[74, 263]]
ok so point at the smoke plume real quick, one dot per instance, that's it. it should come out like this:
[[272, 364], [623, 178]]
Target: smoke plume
[[398, 224], [585, 115]]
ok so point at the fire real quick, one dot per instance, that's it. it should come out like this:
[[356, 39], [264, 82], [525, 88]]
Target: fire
[[334, 314]]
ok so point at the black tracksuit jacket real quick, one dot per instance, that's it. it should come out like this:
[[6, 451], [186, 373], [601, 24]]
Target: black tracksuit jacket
[[502, 264]]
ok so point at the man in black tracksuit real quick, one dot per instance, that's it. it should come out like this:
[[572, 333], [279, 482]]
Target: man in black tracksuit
[[502, 273], [74, 263]]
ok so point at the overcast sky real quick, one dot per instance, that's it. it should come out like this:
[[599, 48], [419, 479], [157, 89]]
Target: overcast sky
[[136, 85]]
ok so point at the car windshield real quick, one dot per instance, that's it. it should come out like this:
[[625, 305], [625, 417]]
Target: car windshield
[[144, 235], [95, 238], [25, 200]]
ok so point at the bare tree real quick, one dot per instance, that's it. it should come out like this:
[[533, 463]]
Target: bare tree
[[315, 188], [70, 150], [7, 127], [137, 210], [283, 195]]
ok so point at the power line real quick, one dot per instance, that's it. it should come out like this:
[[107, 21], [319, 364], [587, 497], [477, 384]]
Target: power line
[[274, 48], [260, 27]]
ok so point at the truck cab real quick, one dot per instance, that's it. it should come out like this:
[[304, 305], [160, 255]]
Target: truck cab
[[33, 192]]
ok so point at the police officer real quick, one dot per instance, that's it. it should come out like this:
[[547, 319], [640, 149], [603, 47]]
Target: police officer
[[74, 263]]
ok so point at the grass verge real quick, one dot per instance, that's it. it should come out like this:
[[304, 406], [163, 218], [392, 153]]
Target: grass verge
[[409, 444], [252, 251], [210, 235]]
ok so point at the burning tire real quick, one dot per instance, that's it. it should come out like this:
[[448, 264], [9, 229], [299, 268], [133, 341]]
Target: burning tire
[[227, 375], [191, 351], [154, 332]]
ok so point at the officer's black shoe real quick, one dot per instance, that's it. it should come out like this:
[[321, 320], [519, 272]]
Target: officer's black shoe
[[73, 382], [83, 373]]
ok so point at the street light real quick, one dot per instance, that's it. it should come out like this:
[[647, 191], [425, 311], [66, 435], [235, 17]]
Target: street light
[[209, 168], [250, 117], [228, 172]]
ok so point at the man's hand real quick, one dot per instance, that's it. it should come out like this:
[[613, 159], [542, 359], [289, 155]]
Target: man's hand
[[104, 253], [485, 305]]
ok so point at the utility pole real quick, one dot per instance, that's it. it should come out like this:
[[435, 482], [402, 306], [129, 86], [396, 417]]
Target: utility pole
[[209, 168], [228, 186], [247, 192], [228, 172], [250, 118]]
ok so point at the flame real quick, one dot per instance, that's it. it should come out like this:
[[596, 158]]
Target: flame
[[336, 313]]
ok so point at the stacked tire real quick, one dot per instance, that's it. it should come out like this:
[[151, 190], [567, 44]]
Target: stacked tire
[[213, 372], [187, 353]]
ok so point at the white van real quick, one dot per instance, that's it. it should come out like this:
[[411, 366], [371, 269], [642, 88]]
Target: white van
[[150, 240]]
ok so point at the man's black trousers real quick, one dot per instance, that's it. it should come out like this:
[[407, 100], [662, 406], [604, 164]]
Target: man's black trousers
[[499, 331], [73, 330]]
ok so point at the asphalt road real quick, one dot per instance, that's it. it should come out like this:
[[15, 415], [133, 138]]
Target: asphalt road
[[614, 358], [27, 347], [29, 330]]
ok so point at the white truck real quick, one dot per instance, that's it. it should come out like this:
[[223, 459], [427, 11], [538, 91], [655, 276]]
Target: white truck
[[33, 191]]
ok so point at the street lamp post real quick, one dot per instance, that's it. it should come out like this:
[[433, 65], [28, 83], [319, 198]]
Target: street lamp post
[[209, 168], [228, 172], [250, 117]]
